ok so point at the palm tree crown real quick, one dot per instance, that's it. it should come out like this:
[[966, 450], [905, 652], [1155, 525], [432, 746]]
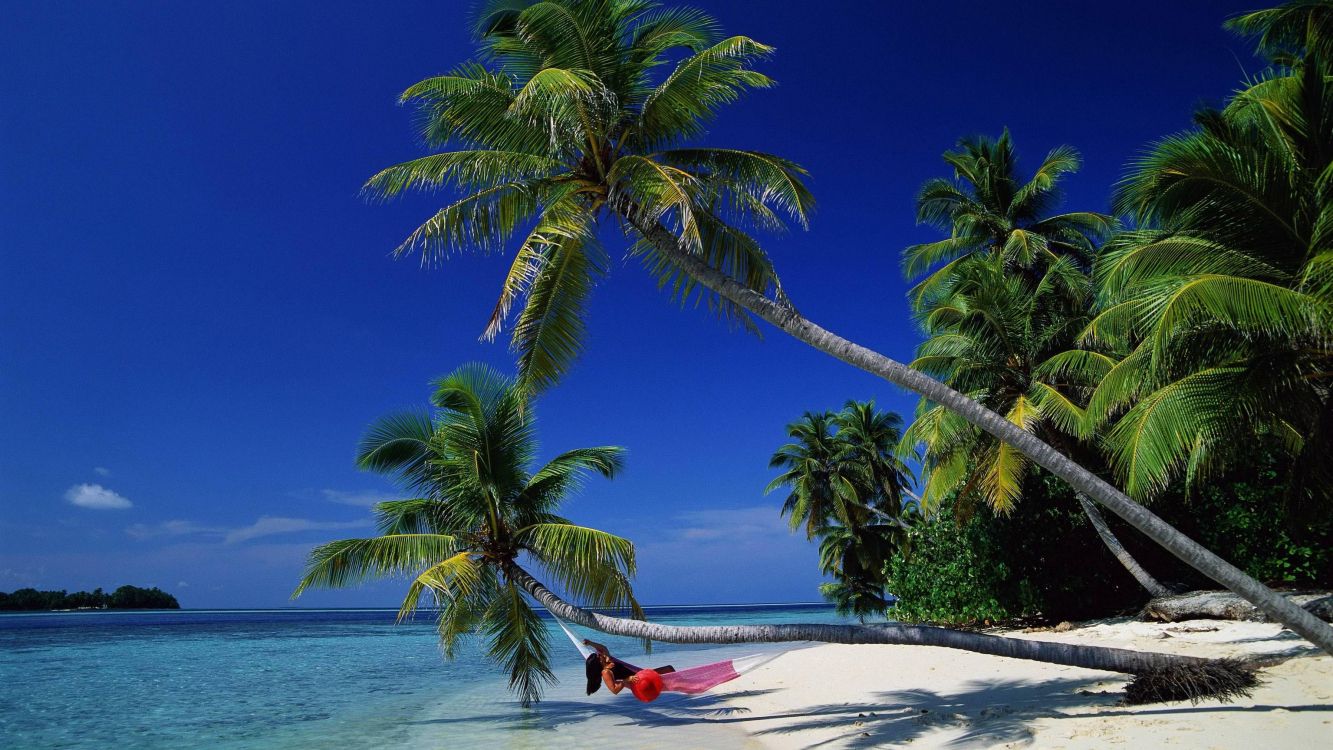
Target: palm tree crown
[[1220, 307], [1007, 346], [575, 112], [989, 211], [480, 510]]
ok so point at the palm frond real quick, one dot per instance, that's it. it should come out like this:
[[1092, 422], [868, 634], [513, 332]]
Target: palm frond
[[398, 444], [518, 640], [351, 561], [450, 581], [549, 333], [701, 83], [1152, 442], [472, 170]]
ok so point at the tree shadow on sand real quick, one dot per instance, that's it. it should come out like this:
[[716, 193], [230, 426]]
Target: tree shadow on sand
[[988, 713], [668, 711], [985, 713]]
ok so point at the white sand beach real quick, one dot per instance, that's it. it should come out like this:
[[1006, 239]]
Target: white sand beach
[[835, 696]]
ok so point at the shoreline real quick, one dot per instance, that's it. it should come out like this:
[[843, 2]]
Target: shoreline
[[839, 696]]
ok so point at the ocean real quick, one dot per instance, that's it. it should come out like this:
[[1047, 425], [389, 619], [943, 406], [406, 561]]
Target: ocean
[[296, 678]]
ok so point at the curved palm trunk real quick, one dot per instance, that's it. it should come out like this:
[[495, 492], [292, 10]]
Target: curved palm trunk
[[782, 314], [1144, 578], [1088, 657]]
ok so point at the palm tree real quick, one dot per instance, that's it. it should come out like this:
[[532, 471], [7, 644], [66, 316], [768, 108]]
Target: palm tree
[[480, 509], [989, 212], [1008, 344], [815, 469], [570, 123], [1220, 306], [846, 485], [871, 437], [481, 515]]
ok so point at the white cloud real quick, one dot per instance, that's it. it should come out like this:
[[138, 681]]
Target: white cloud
[[270, 525], [182, 585], [97, 497], [172, 528], [744, 554], [364, 498], [756, 523], [265, 526], [101, 471]]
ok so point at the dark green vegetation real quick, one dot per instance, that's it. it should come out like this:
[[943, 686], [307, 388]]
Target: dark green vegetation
[[480, 503], [846, 486], [1189, 357], [125, 597]]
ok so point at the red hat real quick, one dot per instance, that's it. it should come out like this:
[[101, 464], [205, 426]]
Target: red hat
[[647, 685]]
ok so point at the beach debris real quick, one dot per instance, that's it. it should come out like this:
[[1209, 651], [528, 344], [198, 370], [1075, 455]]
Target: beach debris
[[1064, 627], [1221, 679], [1193, 629], [1224, 605]]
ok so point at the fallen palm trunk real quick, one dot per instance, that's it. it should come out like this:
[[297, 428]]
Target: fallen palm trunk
[[1224, 605], [1158, 676]]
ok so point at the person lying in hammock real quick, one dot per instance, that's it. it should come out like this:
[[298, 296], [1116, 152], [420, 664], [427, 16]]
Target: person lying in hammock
[[602, 667]]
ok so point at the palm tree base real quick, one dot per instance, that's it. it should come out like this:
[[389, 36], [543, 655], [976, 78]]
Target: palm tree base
[[1222, 679]]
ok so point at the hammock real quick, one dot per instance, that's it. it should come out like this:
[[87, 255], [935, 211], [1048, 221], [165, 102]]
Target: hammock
[[694, 680]]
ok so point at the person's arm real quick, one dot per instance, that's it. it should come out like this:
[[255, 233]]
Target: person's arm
[[599, 648], [612, 684]]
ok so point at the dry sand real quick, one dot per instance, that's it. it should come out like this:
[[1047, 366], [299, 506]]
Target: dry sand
[[834, 696]]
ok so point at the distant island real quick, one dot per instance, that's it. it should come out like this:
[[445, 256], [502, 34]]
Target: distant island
[[125, 597]]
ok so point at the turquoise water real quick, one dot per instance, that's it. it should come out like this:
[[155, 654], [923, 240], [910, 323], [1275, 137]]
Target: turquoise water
[[344, 678]]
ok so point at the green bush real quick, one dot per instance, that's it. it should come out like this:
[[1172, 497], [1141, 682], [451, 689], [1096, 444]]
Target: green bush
[[952, 574], [1043, 560]]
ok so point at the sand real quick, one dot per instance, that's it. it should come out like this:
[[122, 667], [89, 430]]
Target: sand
[[834, 696]]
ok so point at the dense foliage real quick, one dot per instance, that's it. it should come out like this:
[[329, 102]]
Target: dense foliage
[[480, 506], [1191, 356], [846, 486], [1042, 560], [1219, 308], [125, 597]]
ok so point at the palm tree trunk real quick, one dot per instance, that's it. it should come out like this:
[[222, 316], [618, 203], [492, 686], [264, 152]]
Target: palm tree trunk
[[782, 314], [1072, 655], [1144, 578]]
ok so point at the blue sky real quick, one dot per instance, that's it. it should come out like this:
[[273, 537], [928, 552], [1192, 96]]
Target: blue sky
[[198, 314]]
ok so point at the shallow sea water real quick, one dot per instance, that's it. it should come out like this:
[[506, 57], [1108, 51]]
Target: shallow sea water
[[343, 679]]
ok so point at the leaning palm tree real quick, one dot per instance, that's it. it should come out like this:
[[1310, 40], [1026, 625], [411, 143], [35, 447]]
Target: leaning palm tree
[[482, 515], [567, 121], [1157, 676], [480, 510]]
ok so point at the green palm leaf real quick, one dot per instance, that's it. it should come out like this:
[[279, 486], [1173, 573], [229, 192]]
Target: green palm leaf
[[451, 580], [352, 561]]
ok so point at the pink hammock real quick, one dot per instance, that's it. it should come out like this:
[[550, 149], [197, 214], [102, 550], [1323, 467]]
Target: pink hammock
[[694, 680]]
